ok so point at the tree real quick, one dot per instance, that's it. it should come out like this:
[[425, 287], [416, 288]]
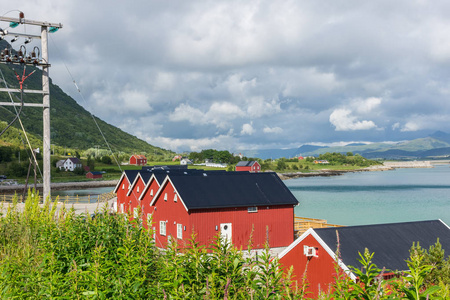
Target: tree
[[90, 163], [106, 160]]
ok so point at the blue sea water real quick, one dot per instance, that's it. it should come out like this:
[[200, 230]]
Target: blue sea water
[[361, 198]]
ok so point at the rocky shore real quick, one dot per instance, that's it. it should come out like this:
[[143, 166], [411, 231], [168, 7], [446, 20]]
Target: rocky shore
[[386, 166]]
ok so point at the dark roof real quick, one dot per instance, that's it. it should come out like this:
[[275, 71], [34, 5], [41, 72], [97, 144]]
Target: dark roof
[[169, 167], [95, 173], [231, 189], [244, 163], [390, 242], [131, 175], [74, 160]]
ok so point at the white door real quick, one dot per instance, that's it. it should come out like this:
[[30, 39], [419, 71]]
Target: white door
[[225, 232]]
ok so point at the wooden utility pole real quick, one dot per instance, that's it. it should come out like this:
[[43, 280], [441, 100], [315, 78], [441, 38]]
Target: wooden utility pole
[[34, 60]]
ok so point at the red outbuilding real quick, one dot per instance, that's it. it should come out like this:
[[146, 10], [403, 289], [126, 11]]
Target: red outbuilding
[[94, 175], [242, 207], [250, 166], [138, 160], [314, 252]]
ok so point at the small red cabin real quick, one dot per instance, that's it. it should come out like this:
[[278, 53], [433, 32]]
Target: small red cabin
[[314, 252], [138, 160], [250, 166], [94, 175]]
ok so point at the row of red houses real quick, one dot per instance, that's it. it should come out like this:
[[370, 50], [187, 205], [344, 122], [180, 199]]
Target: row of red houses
[[240, 206]]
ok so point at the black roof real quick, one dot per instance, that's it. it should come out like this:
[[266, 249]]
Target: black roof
[[231, 189], [165, 167], [131, 174], [390, 242], [244, 163]]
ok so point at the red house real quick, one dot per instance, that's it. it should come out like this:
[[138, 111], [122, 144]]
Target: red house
[[251, 166], [314, 252], [138, 160], [238, 206], [121, 190], [94, 175]]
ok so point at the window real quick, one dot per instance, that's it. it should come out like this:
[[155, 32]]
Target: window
[[149, 219], [123, 186], [165, 197], [162, 227], [175, 198], [151, 192], [136, 212], [138, 189], [252, 209], [122, 207], [179, 231]]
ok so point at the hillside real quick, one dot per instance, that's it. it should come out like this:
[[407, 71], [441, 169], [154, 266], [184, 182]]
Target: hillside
[[71, 125]]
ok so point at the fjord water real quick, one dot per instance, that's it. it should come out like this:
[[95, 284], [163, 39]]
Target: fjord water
[[361, 198]]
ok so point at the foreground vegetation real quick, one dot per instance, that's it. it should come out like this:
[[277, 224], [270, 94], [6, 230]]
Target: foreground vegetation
[[45, 254]]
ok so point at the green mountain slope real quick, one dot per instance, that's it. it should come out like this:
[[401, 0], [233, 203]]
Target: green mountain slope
[[71, 125]]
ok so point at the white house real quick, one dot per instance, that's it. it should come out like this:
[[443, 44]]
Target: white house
[[71, 164]]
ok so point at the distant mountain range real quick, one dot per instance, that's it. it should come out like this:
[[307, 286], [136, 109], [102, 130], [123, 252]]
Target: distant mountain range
[[434, 146], [71, 125]]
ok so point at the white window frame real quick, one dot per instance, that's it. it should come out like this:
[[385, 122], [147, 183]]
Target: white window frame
[[165, 197], [175, 198], [138, 189], [162, 228], [149, 219], [151, 192], [123, 186], [179, 231], [136, 212], [122, 207], [252, 209]]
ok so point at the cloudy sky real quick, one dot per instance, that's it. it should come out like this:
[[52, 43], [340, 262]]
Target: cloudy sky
[[192, 75]]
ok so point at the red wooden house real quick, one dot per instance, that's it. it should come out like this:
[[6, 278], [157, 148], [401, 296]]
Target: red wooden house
[[314, 251], [251, 166], [121, 190], [138, 160], [94, 175], [237, 205], [135, 191]]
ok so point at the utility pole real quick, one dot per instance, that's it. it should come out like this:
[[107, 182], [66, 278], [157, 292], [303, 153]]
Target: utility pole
[[7, 57]]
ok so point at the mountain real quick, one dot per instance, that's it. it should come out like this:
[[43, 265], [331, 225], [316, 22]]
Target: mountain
[[436, 145], [71, 125]]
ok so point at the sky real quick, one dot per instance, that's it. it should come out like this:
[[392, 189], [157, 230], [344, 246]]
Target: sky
[[256, 74]]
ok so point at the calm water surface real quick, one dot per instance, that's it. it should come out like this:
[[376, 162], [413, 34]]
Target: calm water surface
[[375, 197]]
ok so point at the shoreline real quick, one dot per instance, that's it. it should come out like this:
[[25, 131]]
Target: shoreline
[[387, 166]]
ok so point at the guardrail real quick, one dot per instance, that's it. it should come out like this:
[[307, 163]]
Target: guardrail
[[68, 199]]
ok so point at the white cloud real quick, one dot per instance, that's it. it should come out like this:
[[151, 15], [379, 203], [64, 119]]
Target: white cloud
[[344, 121], [396, 126], [185, 112], [247, 129], [272, 130], [367, 105]]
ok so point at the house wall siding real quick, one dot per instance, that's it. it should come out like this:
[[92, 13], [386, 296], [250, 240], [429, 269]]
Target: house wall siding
[[122, 194], [173, 213], [147, 199], [275, 224], [320, 271]]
